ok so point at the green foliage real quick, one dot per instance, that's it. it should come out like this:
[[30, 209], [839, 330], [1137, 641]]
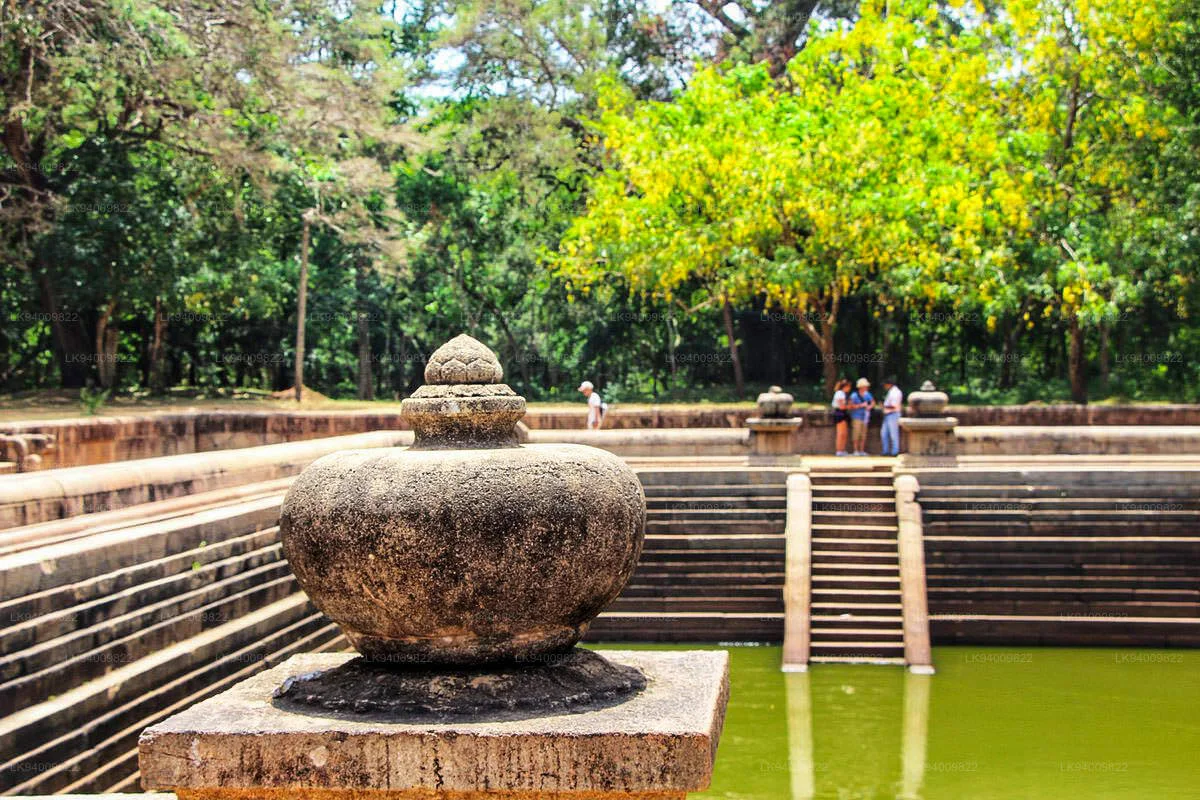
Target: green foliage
[[1003, 197]]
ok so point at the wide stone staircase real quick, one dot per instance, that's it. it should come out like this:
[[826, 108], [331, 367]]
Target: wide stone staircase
[[110, 622], [1069, 552], [712, 567], [856, 610]]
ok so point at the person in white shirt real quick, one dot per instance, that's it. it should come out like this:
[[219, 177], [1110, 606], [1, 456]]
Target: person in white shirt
[[595, 405], [893, 400]]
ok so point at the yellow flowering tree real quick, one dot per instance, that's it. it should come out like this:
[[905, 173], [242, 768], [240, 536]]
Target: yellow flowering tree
[[853, 170], [1085, 136]]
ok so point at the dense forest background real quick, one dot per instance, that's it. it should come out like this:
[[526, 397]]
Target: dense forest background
[[677, 200]]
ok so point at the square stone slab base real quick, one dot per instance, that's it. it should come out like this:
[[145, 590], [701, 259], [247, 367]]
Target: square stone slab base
[[658, 745]]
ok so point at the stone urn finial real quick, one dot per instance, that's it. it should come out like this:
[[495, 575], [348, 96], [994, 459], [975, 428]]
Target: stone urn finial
[[466, 548], [928, 401], [463, 403], [774, 404]]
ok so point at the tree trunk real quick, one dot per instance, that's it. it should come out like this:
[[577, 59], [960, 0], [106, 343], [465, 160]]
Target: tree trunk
[[1076, 366], [156, 374], [106, 347], [302, 309], [829, 367], [366, 378], [1105, 371], [738, 379], [69, 341]]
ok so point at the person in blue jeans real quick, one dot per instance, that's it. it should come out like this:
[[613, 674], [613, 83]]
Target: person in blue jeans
[[860, 405], [893, 399]]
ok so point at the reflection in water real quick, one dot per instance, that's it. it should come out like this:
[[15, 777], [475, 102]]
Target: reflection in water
[[992, 724], [915, 729], [916, 732], [800, 740]]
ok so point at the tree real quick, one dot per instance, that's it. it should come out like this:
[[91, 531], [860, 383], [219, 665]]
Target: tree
[[799, 197], [1088, 135]]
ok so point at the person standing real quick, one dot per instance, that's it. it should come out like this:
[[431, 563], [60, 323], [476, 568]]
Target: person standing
[[841, 418], [893, 399], [861, 403], [595, 405]]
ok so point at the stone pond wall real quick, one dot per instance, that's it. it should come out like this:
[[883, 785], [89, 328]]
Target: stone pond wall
[[99, 440]]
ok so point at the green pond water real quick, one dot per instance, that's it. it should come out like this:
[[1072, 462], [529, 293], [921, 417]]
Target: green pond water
[[992, 723]]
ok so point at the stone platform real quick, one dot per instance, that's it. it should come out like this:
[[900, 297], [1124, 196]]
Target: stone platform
[[659, 745]]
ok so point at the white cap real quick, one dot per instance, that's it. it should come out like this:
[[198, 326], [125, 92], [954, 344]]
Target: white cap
[[586, 385], [862, 382]]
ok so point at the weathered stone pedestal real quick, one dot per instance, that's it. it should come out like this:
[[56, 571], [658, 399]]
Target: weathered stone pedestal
[[658, 744], [928, 434], [773, 437], [774, 431]]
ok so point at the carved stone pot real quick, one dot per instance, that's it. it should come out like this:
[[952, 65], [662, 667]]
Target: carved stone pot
[[489, 552]]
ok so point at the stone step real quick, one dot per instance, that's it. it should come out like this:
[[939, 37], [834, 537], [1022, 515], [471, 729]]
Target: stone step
[[823, 568], [852, 505], [975, 526], [880, 634], [1078, 562], [870, 492], [864, 595], [712, 477], [997, 573], [1007, 546], [1061, 632], [148, 574], [740, 588], [827, 659], [55, 531], [1082, 581], [36, 723], [745, 543], [851, 478], [697, 627], [862, 621], [42, 568], [838, 543], [849, 558], [723, 525], [766, 492], [828, 607], [1145, 505], [856, 648], [1072, 594], [38, 682], [41, 628], [705, 517], [827, 519], [1066, 608], [671, 605], [93, 756], [711, 503]]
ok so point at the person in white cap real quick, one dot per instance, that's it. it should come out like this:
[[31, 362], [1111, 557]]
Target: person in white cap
[[860, 405], [595, 405]]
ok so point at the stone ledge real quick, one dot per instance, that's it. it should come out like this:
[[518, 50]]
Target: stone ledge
[[660, 743]]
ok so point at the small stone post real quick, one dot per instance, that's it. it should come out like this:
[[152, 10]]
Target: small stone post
[[464, 570], [930, 434], [773, 431]]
